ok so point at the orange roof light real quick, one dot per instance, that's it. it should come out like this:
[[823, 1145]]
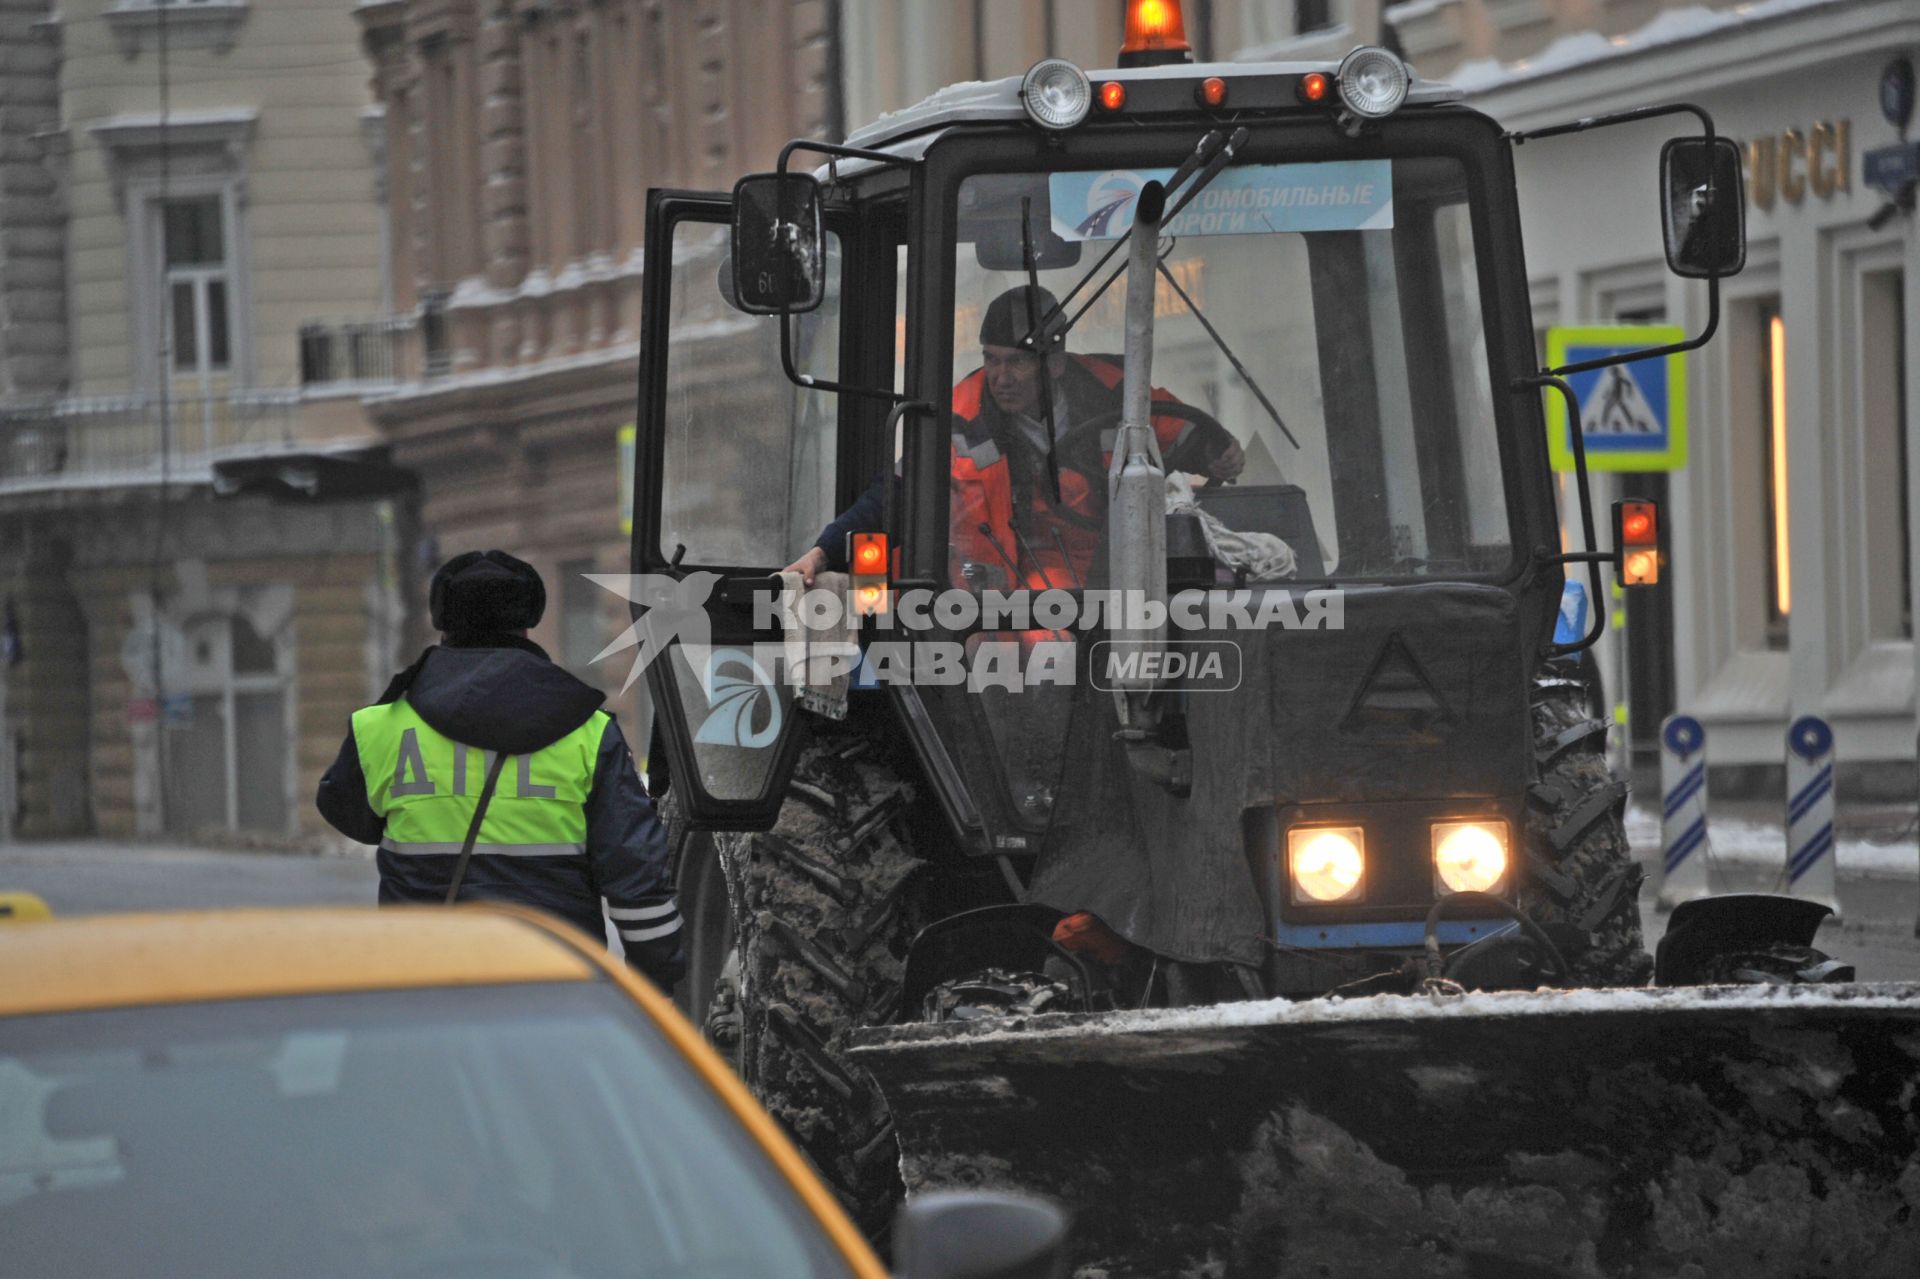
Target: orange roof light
[[1213, 91], [1113, 95], [1314, 86], [1156, 34]]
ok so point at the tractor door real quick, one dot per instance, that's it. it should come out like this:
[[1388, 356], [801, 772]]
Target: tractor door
[[735, 472]]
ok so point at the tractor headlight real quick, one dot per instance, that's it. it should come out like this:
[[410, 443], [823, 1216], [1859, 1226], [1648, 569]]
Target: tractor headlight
[[1373, 83], [1326, 863], [1057, 94], [1470, 857]]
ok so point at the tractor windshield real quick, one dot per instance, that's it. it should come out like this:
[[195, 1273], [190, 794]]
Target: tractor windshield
[[1318, 354], [1320, 381]]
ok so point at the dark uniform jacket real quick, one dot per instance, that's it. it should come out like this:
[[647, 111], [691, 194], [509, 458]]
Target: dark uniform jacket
[[509, 697]]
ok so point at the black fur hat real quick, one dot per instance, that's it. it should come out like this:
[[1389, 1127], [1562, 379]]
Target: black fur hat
[[486, 593]]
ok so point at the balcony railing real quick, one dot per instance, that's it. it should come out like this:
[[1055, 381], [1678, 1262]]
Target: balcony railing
[[355, 352], [119, 439]]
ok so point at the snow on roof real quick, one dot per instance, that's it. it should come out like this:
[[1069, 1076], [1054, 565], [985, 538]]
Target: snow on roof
[[1583, 49]]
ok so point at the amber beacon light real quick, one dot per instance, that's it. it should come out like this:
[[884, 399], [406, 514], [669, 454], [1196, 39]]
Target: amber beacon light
[[1156, 34]]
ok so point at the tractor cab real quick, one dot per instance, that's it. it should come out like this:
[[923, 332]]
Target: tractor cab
[[1189, 423]]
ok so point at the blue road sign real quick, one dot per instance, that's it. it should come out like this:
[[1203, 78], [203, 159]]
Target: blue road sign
[[1633, 417]]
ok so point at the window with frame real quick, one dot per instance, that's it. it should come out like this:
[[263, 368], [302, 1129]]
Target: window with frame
[[196, 275]]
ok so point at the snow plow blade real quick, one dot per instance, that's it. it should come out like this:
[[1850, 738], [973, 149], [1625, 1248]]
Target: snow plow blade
[[1740, 1131]]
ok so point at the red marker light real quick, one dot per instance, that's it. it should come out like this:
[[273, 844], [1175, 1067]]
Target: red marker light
[[1213, 91], [1113, 95], [1314, 86], [1636, 525]]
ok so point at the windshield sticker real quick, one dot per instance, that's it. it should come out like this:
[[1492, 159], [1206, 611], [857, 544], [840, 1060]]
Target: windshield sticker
[[1255, 199]]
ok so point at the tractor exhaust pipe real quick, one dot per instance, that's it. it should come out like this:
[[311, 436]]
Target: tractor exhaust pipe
[[1136, 481]]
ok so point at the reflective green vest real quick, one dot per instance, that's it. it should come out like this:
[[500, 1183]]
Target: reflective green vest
[[427, 786]]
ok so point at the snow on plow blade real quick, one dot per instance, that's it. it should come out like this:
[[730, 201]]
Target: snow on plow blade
[[1737, 1131]]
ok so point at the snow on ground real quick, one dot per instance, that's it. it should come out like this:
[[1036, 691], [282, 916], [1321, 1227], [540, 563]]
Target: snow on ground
[[1750, 842]]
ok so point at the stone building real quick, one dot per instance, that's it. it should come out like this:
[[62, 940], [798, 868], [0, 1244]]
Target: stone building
[[197, 541], [522, 137]]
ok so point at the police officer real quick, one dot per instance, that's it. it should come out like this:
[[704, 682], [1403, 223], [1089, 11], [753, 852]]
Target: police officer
[[1002, 506], [566, 821]]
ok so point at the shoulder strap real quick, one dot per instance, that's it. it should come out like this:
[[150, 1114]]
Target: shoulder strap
[[473, 828]]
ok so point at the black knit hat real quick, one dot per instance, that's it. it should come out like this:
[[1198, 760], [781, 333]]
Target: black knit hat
[[1008, 320], [486, 593]]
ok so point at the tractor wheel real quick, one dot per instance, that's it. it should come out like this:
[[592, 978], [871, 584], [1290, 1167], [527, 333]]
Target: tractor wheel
[[1579, 877], [825, 906]]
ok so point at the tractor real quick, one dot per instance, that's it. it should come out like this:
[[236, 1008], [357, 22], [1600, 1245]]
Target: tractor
[[1170, 795]]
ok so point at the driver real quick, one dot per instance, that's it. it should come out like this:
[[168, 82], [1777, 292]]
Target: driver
[[1003, 511]]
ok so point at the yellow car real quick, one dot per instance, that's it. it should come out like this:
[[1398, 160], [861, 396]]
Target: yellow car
[[476, 1093]]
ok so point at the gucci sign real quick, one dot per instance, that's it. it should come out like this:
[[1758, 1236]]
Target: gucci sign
[[1794, 163]]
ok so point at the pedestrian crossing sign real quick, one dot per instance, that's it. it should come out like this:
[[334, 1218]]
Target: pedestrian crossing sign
[[1633, 417]]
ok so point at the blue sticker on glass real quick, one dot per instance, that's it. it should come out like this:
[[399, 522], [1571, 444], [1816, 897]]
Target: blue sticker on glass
[[1253, 199]]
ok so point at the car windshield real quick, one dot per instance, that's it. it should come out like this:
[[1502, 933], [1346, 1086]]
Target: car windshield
[[529, 1132], [1326, 316]]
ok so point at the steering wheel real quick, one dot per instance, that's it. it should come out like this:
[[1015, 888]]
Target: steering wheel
[[1208, 441]]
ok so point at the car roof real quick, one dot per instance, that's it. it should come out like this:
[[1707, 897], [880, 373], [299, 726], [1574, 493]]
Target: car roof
[[114, 961]]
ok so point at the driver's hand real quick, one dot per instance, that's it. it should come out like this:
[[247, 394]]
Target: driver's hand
[[1229, 464], [813, 563]]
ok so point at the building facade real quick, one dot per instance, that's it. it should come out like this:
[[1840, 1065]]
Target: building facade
[[522, 137], [197, 548], [1791, 545]]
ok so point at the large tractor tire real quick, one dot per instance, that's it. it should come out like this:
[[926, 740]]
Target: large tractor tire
[[1580, 877], [824, 907]]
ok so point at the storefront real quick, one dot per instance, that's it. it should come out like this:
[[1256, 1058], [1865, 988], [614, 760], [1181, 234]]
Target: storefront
[[1790, 581]]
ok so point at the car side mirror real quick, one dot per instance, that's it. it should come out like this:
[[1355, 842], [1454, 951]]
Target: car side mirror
[[778, 239], [976, 1234], [1704, 211]]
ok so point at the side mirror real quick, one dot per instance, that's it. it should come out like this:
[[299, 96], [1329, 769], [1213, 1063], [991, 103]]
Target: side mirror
[[976, 1234], [1704, 207], [778, 266]]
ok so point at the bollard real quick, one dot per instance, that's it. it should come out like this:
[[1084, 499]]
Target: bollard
[[1683, 818], [1810, 812]]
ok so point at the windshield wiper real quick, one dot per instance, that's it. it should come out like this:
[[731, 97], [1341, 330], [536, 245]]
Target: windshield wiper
[[1209, 146], [1227, 351], [1209, 169], [1035, 340]]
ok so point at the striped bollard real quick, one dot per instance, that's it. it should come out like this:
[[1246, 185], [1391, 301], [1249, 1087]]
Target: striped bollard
[[1683, 817], [1810, 811]]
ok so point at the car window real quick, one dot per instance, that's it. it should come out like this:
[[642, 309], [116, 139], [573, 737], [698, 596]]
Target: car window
[[537, 1132]]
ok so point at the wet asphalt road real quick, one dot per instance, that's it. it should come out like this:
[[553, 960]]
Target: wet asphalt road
[[88, 876]]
